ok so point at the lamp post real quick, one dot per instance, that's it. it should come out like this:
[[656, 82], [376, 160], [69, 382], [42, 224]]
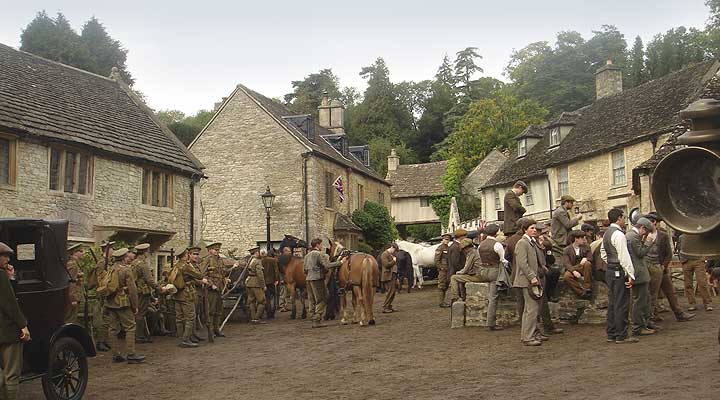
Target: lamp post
[[267, 199]]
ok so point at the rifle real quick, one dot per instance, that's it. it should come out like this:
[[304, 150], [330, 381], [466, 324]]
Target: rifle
[[206, 312]]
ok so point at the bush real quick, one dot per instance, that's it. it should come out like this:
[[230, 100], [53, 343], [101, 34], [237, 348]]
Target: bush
[[376, 223], [365, 248], [423, 232]]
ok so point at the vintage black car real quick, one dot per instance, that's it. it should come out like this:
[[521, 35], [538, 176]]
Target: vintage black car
[[58, 352]]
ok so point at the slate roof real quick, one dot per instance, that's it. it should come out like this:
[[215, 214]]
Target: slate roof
[[319, 145], [485, 170], [530, 166], [417, 180], [344, 223], [56, 102], [532, 131], [565, 118]]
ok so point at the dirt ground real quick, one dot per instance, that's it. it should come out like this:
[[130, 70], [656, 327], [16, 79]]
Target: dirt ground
[[414, 354]]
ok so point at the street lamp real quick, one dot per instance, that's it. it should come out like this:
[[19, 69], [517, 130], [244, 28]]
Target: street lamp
[[267, 199]]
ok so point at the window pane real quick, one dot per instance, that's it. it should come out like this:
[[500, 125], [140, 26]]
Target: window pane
[[70, 160], [55, 169], [155, 188], [145, 180], [83, 174], [4, 161], [166, 190]]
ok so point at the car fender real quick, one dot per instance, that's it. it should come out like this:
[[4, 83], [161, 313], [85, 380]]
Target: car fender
[[78, 333]]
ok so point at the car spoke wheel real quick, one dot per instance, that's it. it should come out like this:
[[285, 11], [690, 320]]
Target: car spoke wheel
[[67, 373]]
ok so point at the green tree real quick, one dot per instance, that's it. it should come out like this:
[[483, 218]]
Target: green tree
[[380, 149], [674, 50], [184, 127], [376, 223], [465, 68], [106, 52], [307, 93], [636, 70]]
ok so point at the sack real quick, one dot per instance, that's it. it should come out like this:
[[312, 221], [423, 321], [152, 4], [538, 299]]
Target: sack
[[176, 278], [108, 283]]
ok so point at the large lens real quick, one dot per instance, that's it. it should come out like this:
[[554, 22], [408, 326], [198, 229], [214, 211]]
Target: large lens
[[686, 189]]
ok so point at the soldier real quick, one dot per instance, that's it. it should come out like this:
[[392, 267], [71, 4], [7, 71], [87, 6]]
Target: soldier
[[100, 321], [512, 207], [441, 262], [75, 253], [13, 330], [283, 260], [389, 276], [185, 276], [121, 303], [214, 271], [146, 286], [255, 285], [316, 265], [272, 278]]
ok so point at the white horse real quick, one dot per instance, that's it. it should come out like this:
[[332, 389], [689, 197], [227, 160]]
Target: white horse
[[422, 256]]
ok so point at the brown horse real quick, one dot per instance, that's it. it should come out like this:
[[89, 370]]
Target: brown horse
[[295, 283], [359, 273]]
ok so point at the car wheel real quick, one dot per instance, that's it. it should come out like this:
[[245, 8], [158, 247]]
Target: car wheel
[[67, 374]]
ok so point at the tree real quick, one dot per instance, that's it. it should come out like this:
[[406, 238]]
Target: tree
[[465, 68], [376, 223], [636, 70], [307, 93], [380, 149], [674, 50], [106, 51], [422, 232], [184, 127]]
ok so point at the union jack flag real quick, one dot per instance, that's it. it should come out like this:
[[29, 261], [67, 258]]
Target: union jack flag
[[338, 184]]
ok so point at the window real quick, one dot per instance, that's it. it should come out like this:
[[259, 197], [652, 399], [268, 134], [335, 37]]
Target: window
[[328, 190], [424, 202], [529, 197], [360, 195], [157, 188], [70, 171], [522, 148], [381, 198], [618, 168], [562, 174], [555, 137], [7, 161], [498, 205]]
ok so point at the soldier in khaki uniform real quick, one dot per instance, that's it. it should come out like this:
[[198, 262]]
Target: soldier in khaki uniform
[[13, 331], [214, 270], [146, 286], [255, 286], [75, 253], [441, 263], [100, 322], [187, 277], [121, 307], [271, 272]]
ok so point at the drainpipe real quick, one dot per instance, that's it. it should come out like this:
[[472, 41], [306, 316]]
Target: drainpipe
[[305, 157], [193, 180], [550, 196], [654, 142]]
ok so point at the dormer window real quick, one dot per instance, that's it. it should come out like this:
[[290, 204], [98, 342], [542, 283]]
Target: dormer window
[[555, 136], [522, 148]]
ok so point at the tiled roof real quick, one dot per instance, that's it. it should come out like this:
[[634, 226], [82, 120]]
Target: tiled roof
[[43, 98], [565, 118], [344, 223], [532, 131], [318, 145], [530, 166], [484, 171], [417, 180]]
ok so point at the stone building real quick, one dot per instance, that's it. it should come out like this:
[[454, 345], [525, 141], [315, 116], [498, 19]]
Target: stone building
[[252, 143], [413, 185], [598, 153], [83, 147]]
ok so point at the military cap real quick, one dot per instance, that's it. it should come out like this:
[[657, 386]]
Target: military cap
[[105, 243], [460, 233], [74, 247], [253, 250], [181, 251], [120, 252], [522, 184], [567, 197], [447, 235], [192, 248], [465, 243], [142, 246], [5, 249], [644, 222], [577, 234], [491, 229], [214, 245]]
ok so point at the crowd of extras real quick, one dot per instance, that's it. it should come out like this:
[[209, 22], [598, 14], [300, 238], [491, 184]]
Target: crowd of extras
[[535, 260]]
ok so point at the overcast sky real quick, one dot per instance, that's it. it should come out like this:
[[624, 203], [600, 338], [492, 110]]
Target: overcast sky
[[186, 55]]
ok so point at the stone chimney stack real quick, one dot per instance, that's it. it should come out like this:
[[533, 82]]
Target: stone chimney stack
[[331, 114], [393, 160], [608, 80]]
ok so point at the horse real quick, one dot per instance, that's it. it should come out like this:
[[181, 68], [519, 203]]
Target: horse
[[422, 256], [405, 269], [294, 275], [360, 273]]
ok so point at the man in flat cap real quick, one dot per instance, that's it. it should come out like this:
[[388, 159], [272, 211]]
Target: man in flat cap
[[255, 285], [13, 331], [640, 239], [185, 278], [561, 223], [121, 305], [513, 208], [578, 265], [146, 286], [75, 254], [388, 266], [441, 263], [214, 271], [100, 322]]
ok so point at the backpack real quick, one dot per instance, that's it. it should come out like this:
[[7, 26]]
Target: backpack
[[108, 283], [176, 277]]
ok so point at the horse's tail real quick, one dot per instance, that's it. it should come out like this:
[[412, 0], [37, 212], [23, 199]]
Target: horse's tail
[[366, 270]]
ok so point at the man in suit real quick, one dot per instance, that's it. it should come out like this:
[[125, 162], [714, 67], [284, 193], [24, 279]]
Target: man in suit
[[578, 265], [389, 276], [561, 223], [640, 239], [527, 260], [513, 208]]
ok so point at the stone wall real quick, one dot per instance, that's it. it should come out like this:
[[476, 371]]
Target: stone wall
[[473, 311], [407, 210]]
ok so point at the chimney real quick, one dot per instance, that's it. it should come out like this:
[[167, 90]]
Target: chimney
[[331, 114], [608, 80], [393, 160]]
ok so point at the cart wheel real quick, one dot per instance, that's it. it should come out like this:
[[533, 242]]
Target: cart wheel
[[67, 373]]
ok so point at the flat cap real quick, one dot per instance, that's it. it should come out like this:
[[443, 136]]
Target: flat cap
[[523, 185], [5, 249], [447, 235], [644, 222], [214, 245], [142, 246], [120, 252], [465, 243], [587, 228], [541, 226], [460, 233], [491, 229], [105, 243], [577, 234], [653, 216], [74, 247], [567, 197]]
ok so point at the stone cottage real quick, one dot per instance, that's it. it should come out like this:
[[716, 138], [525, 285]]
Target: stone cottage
[[83, 147], [591, 153], [252, 143]]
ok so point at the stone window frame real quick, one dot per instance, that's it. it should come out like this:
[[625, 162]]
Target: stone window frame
[[555, 137], [616, 169], [165, 188], [498, 203], [60, 189], [522, 148], [529, 200], [424, 202], [381, 197], [12, 162], [563, 186]]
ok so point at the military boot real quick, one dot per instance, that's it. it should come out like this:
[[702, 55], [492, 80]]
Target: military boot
[[188, 344], [135, 358]]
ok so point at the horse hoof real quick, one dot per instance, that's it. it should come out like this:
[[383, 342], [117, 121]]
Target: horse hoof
[[343, 321], [371, 322]]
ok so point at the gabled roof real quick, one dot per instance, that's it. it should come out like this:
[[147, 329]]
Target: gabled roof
[[418, 180], [530, 166], [532, 131], [56, 102], [486, 169], [318, 145], [344, 223], [565, 118]]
